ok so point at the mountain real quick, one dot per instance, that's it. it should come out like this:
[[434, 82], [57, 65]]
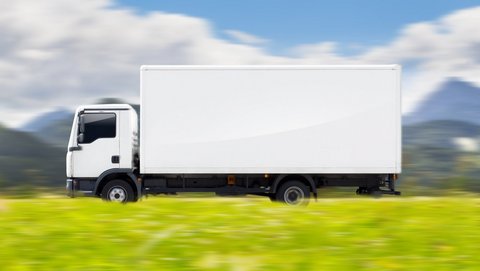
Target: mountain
[[439, 133], [54, 127], [26, 160], [57, 132], [42, 121], [454, 100]]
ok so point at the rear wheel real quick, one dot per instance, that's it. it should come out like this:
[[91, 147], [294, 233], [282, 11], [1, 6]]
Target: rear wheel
[[118, 191], [293, 193]]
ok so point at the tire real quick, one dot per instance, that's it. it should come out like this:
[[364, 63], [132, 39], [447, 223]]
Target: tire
[[293, 193], [118, 191]]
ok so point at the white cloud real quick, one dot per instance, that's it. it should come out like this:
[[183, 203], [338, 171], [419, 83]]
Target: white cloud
[[67, 52], [245, 37], [320, 53], [431, 52]]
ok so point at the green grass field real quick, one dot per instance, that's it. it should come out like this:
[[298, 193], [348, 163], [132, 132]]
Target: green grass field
[[175, 233]]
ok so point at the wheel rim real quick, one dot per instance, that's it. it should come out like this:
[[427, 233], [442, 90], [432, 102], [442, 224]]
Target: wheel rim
[[117, 194], [294, 195]]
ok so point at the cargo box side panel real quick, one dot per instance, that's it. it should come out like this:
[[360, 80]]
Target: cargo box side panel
[[270, 120]]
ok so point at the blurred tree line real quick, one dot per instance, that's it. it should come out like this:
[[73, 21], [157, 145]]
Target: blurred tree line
[[432, 162]]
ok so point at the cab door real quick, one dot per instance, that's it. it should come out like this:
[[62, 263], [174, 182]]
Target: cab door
[[98, 144]]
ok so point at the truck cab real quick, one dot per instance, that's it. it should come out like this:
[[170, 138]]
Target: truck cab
[[103, 140]]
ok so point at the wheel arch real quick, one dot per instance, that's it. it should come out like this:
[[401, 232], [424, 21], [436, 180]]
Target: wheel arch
[[117, 173]]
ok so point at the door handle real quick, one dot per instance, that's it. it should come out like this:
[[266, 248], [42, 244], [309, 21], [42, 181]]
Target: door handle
[[76, 148], [115, 159]]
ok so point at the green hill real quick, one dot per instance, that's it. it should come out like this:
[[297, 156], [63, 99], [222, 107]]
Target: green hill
[[27, 160], [438, 133], [56, 133], [432, 159]]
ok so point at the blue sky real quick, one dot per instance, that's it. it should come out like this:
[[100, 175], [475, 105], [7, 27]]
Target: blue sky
[[353, 24]]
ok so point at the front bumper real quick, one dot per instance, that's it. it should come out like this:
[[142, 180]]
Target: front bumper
[[69, 187], [79, 187]]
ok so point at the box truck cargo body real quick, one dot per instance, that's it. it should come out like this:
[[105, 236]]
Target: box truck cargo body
[[246, 130]]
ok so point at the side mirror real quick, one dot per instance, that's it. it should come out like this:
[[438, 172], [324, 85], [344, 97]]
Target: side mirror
[[81, 124], [80, 138]]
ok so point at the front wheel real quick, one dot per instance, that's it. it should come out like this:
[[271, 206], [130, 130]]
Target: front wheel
[[293, 193], [118, 191]]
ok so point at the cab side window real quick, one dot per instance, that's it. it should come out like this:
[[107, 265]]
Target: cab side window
[[99, 125]]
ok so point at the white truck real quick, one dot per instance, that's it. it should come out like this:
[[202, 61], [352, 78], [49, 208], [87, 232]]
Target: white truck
[[277, 131]]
